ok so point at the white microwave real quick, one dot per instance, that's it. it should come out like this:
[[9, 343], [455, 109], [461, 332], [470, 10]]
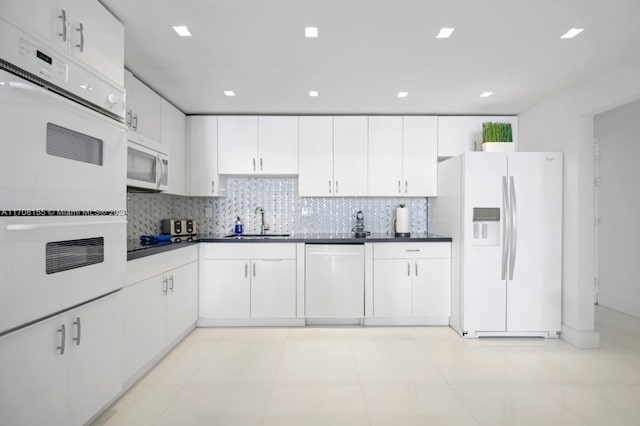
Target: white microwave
[[147, 165]]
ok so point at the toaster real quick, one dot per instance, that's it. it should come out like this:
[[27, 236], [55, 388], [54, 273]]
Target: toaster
[[178, 227]]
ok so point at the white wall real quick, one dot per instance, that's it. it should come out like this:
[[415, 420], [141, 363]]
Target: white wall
[[564, 122], [618, 136]]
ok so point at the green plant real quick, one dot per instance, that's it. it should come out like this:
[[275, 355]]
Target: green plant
[[496, 132]]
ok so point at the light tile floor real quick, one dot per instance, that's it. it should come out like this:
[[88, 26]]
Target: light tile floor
[[388, 376]]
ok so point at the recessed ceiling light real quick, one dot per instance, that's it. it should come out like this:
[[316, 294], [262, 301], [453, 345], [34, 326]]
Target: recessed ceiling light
[[311, 32], [182, 31], [572, 33], [229, 93], [445, 32], [402, 94], [486, 94], [313, 93]]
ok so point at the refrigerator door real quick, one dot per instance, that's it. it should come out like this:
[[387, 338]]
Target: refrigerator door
[[534, 285], [484, 292]]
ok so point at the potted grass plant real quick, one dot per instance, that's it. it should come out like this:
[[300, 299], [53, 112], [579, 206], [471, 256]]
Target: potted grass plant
[[497, 137]]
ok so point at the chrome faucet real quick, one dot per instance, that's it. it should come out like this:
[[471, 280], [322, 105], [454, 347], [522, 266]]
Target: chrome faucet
[[263, 226]]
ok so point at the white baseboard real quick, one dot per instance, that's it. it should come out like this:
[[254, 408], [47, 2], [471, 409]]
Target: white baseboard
[[406, 321], [251, 322], [580, 339], [623, 306]]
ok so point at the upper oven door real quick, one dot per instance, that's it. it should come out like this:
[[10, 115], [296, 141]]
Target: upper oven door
[[48, 264], [57, 154]]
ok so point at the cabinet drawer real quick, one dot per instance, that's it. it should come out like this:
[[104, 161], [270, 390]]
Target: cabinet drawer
[[411, 250], [236, 250]]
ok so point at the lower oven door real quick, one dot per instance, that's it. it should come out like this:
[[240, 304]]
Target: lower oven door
[[57, 154], [49, 264]]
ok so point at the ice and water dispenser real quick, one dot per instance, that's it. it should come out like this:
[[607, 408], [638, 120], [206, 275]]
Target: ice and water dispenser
[[486, 226]]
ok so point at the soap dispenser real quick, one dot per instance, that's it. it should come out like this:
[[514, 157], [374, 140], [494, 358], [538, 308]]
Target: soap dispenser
[[238, 226]]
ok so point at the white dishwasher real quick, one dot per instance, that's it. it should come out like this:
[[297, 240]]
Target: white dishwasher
[[334, 283]]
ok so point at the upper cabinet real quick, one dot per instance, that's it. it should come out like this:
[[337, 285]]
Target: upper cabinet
[[332, 156], [81, 28], [249, 145], [402, 156], [173, 134], [202, 157], [143, 109], [464, 133]]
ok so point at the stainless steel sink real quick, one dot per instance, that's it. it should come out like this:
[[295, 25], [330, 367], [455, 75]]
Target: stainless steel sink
[[256, 236]]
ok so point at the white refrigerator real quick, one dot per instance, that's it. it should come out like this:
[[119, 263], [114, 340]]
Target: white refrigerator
[[504, 214]]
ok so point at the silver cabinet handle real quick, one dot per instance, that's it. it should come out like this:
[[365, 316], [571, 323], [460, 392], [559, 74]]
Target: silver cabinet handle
[[408, 269], [80, 29], [412, 250], [129, 117], [399, 187], [406, 186], [135, 122], [254, 269], [246, 270], [336, 187], [254, 164], [165, 285], [171, 285], [416, 269], [78, 325], [63, 338], [514, 228], [329, 186], [505, 210], [213, 186], [63, 17], [260, 164]]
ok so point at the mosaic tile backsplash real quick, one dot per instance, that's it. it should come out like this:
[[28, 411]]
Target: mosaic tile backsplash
[[285, 211]]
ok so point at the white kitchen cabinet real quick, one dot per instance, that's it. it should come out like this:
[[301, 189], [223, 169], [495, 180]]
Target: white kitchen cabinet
[[412, 281], [420, 156], [403, 156], [82, 28], [315, 174], [273, 288], [458, 134], [203, 179], [173, 134], [159, 304], [62, 370], [278, 145], [249, 145], [143, 109], [333, 156], [242, 281]]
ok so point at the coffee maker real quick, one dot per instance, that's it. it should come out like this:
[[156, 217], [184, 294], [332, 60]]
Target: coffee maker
[[358, 230]]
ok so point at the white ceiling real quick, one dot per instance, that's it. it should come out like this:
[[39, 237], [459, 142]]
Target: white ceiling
[[368, 51]]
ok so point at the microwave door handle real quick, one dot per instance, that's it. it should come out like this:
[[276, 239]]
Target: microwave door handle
[[36, 226], [158, 171]]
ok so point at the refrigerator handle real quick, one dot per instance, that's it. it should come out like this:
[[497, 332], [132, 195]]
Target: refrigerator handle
[[514, 228], [505, 216]]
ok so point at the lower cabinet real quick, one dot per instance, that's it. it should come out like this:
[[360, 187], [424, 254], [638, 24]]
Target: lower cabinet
[[62, 370], [412, 280], [242, 281], [158, 309]]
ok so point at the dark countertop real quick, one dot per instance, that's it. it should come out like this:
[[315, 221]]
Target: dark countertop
[[136, 250]]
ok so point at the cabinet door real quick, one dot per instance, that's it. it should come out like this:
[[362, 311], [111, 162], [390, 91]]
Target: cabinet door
[[226, 293], [172, 134], [385, 156], [144, 105], [431, 288], [143, 323], [278, 145], [93, 361], [34, 382], [42, 19], [238, 145], [457, 135], [392, 296], [273, 288], [202, 166], [315, 175], [420, 156], [182, 299], [97, 38], [350, 137]]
